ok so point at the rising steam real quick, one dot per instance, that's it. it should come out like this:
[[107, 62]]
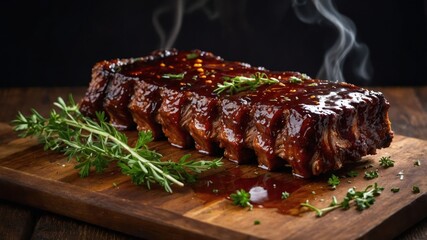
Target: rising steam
[[179, 7], [308, 11], [315, 11]]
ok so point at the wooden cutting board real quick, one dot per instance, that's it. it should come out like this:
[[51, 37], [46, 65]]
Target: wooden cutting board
[[45, 180]]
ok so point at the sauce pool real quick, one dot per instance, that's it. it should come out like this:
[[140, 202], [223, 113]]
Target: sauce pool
[[265, 189]]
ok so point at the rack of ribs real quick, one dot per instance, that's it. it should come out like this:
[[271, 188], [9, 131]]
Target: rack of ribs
[[315, 126]]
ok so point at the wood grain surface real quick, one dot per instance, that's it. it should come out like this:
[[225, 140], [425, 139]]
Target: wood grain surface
[[161, 214]]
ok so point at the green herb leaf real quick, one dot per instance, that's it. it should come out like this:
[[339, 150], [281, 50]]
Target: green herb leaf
[[305, 76], [96, 144], [285, 195], [371, 174], [352, 173], [241, 198], [415, 189], [386, 162], [333, 181], [257, 222], [395, 189], [236, 84], [178, 76], [294, 79], [191, 56], [361, 199]]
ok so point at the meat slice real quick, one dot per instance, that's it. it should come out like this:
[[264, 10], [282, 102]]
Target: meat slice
[[172, 115], [144, 106], [203, 122], [236, 130], [314, 126], [118, 94]]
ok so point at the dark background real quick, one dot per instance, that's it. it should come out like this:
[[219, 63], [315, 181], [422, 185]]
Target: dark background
[[55, 43]]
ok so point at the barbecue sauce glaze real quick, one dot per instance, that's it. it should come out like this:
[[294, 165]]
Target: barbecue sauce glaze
[[266, 124]]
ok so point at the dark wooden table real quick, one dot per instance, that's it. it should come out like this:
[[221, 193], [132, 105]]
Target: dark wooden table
[[408, 114]]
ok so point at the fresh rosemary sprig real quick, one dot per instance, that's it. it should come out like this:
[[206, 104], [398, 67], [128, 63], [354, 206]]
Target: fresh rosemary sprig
[[237, 84], [361, 199], [95, 144]]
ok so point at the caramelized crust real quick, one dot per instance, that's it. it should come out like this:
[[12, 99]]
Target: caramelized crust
[[314, 126]]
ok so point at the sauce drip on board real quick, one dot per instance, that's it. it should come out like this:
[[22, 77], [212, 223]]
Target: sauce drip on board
[[265, 188]]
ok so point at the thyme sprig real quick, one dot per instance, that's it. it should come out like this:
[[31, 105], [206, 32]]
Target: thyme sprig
[[236, 84], [361, 199], [95, 144]]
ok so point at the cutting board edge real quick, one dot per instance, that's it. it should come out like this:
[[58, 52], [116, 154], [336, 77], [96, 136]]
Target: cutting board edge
[[416, 216]]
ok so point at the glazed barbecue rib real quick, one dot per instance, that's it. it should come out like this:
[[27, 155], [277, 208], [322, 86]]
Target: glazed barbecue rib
[[312, 125]]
